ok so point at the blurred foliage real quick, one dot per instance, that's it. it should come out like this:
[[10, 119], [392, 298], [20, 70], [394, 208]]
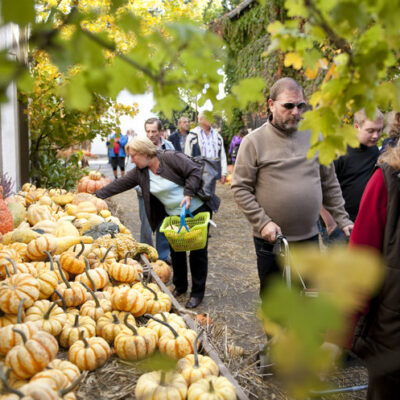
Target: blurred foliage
[[55, 127], [345, 279], [353, 45], [119, 44]]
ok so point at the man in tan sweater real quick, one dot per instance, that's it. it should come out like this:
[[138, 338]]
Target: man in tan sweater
[[278, 189]]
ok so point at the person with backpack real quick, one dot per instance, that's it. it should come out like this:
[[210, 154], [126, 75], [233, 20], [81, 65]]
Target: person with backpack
[[235, 143]]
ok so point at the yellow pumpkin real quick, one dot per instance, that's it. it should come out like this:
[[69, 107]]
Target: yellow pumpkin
[[177, 343], [48, 316], [129, 300], [14, 289], [72, 328], [160, 385], [65, 228], [95, 308], [135, 343], [8, 337], [123, 272], [70, 370], [37, 213], [111, 324], [37, 247], [89, 354], [194, 367], [86, 207], [33, 356], [212, 388]]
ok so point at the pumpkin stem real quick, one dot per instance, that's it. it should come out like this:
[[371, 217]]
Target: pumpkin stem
[[129, 325], [115, 319], [212, 389], [196, 353], [127, 254], [63, 302], [82, 249], [13, 263], [106, 253], [87, 268], [162, 378], [4, 379], [24, 338], [76, 322], [65, 280], [163, 323], [7, 271], [48, 312], [151, 290], [72, 386], [50, 259], [82, 337], [19, 313], [96, 300], [164, 317]]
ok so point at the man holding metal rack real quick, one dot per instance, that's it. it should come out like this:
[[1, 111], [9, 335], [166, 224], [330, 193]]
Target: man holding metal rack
[[278, 189]]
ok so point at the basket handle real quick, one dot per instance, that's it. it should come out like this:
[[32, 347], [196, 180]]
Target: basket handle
[[183, 215]]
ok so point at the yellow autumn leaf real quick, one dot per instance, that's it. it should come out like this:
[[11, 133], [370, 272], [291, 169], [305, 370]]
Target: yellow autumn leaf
[[293, 59], [311, 73]]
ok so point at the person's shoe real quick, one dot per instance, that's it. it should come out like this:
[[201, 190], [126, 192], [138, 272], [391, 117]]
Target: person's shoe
[[177, 293], [193, 302]]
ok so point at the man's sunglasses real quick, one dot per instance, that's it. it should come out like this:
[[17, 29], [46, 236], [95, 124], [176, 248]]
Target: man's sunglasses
[[290, 106]]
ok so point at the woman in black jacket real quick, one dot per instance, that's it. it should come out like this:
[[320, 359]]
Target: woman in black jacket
[[169, 180]]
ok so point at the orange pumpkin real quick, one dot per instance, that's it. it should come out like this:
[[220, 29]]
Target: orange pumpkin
[[88, 185], [14, 289], [129, 300], [89, 354], [33, 356], [6, 218]]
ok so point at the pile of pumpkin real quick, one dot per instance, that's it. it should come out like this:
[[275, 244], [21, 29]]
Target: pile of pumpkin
[[70, 277]]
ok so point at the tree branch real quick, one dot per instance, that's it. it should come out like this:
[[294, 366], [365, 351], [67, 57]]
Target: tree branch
[[339, 42]]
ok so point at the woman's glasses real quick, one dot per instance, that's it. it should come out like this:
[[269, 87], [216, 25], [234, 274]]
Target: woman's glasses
[[289, 106]]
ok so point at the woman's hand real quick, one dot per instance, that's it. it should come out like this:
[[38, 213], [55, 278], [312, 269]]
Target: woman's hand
[[186, 201]]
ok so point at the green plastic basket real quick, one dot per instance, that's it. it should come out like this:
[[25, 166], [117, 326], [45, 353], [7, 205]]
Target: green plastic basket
[[195, 239]]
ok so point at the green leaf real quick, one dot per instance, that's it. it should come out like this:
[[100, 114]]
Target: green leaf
[[21, 12], [249, 90], [76, 94], [26, 82]]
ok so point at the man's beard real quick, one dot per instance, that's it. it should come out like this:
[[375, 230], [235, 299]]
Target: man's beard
[[286, 126]]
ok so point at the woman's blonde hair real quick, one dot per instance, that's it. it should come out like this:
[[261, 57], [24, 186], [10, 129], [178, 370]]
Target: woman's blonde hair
[[391, 156], [142, 145], [393, 124]]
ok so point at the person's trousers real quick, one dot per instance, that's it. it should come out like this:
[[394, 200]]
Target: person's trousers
[[384, 387], [198, 260], [267, 263], [146, 233]]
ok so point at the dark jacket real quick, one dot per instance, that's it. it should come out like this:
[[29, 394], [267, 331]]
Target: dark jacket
[[174, 166], [174, 138], [377, 337]]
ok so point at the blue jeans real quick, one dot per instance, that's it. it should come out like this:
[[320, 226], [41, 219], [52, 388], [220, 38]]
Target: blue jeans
[[146, 233]]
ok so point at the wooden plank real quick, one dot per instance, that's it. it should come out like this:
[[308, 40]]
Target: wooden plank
[[241, 395]]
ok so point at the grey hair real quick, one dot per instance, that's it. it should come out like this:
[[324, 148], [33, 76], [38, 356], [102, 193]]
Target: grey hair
[[284, 84]]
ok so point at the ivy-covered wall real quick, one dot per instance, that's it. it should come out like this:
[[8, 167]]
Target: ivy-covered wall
[[247, 40]]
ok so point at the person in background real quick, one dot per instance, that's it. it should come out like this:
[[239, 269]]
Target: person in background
[[178, 138], [207, 142], [393, 130], [355, 168], [154, 129], [235, 143], [169, 180], [116, 152], [279, 189], [377, 337]]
